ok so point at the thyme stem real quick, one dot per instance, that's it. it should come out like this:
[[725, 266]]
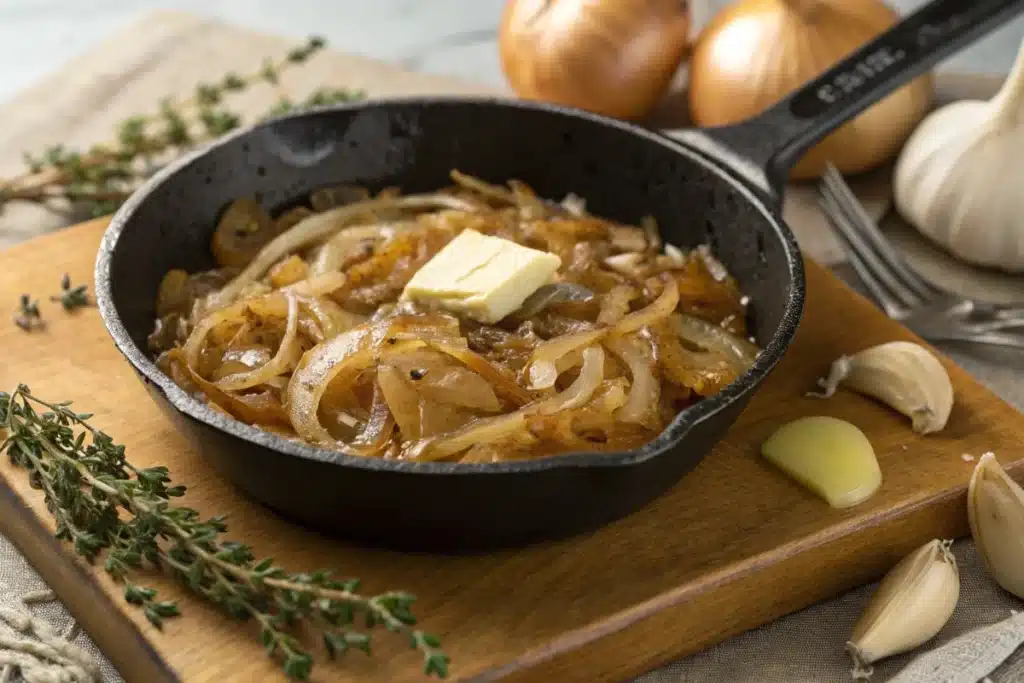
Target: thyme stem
[[89, 485], [101, 178]]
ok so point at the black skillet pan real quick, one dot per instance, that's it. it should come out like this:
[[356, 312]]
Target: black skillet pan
[[721, 186]]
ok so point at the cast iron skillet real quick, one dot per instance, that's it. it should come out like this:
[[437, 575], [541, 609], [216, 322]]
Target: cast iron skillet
[[721, 186]]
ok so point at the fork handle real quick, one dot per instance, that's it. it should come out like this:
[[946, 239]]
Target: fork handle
[[1003, 312], [1000, 339]]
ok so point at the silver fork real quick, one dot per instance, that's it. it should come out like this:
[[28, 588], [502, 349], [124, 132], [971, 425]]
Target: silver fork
[[935, 314]]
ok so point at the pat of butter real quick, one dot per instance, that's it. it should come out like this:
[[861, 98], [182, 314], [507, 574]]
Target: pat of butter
[[482, 277]]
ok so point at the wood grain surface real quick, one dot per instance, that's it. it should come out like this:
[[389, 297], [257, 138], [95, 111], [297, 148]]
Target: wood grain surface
[[734, 545]]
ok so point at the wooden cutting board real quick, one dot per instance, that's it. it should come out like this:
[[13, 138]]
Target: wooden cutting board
[[734, 545]]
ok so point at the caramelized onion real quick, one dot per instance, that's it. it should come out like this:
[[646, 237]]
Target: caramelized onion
[[659, 309], [701, 333], [641, 405], [441, 418], [543, 368], [353, 243], [241, 232], [274, 304], [318, 227], [341, 359], [331, 319], [260, 409], [313, 340], [458, 386], [485, 369], [287, 354], [403, 401], [551, 294], [493, 429], [377, 434], [705, 372], [615, 304], [580, 391], [484, 430], [315, 285]]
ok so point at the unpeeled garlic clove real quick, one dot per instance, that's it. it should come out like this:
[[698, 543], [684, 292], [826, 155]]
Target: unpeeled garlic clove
[[995, 511], [910, 606], [903, 375]]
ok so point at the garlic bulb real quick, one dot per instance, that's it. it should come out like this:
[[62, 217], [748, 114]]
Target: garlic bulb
[[903, 375], [957, 178], [995, 510], [910, 606]]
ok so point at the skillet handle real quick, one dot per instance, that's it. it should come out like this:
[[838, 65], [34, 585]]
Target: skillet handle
[[764, 149]]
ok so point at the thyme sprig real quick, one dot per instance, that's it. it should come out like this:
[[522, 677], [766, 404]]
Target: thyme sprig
[[71, 297], [101, 178], [28, 316], [104, 505]]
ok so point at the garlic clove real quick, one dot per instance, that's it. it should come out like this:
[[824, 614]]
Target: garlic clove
[[995, 511], [828, 456], [910, 606], [903, 375]]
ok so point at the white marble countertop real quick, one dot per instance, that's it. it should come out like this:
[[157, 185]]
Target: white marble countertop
[[451, 37]]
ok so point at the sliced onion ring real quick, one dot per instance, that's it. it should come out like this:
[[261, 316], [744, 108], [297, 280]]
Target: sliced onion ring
[[377, 434], [274, 304], [320, 226], [491, 429], [340, 359], [654, 313], [641, 405], [740, 352], [543, 369], [287, 355], [582, 389], [401, 399]]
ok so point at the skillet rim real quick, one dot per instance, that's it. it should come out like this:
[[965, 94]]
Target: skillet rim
[[671, 436]]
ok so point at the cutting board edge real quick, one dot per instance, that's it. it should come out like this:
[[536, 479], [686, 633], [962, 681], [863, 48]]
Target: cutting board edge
[[942, 515], [137, 660], [117, 636]]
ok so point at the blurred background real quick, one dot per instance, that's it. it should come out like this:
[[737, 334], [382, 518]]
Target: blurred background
[[448, 37]]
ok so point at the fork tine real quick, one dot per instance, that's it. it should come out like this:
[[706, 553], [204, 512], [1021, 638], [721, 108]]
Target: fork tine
[[879, 292], [875, 239], [844, 223]]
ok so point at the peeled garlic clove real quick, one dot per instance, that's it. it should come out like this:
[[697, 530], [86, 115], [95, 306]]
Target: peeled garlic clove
[[903, 375], [910, 606], [995, 510], [830, 457]]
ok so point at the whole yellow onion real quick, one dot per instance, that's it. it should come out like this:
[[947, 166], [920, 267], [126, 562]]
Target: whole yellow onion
[[755, 52], [612, 57]]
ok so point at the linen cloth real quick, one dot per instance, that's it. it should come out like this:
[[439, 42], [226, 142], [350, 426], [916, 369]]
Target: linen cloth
[[167, 53]]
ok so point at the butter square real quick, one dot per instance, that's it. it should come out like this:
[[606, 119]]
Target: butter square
[[482, 277]]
